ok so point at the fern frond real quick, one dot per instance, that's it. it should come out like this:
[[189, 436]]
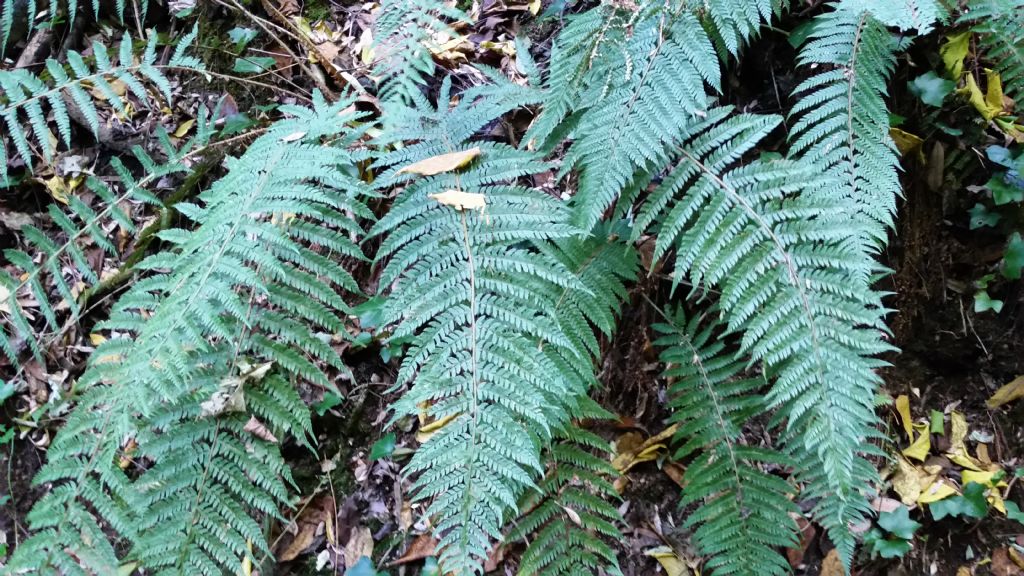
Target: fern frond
[[243, 285], [646, 88], [405, 33], [920, 15], [842, 122], [23, 95], [473, 295], [46, 260], [785, 277], [732, 23], [742, 518], [1000, 24], [569, 520]]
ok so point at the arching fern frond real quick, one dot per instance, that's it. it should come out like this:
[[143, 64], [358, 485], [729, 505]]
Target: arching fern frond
[[734, 22], [1000, 24], [405, 33], [742, 515], [474, 297], [784, 274], [642, 92], [242, 288], [23, 94], [570, 519], [81, 224], [842, 122]]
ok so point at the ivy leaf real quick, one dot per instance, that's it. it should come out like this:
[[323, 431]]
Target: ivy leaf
[[898, 523], [980, 216], [1013, 512], [1013, 258], [1004, 192], [371, 313], [384, 447], [891, 547], [362, 568], [983, 303], [330, 401], [241, 37], [972, 504], [931, 88], [253, 64]]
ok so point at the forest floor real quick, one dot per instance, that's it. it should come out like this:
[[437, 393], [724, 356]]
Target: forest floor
[[351, 499]]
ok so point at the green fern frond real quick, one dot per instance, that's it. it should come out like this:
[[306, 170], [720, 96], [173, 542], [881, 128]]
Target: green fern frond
[[742, 518], [12, 11], [732, 23], [644, 90], [842, 122], [23, 95], [784, 272], [404, 35], [241, 287], [570, 519], [920, 15], [1000, 24], [48, 261], [474, 297]]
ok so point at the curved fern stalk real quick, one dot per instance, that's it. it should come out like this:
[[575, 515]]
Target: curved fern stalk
[[842, 122], [82, 224], [24, 94], [474, 298], [569, 520], [742, 516], [241, 293], [1001, 26], [784, 273], [406, 34]]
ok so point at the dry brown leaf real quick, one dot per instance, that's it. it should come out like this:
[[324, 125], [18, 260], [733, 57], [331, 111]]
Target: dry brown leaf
[[422, 547], [1014, 390], [442, 163], [461, 200], [832, 565], [259, 430], [311, 523], [1002, 565], [359, 544]]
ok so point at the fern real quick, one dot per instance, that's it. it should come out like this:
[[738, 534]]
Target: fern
[[734, 22], [241, 289], [1001, 26], [474, 298], [81, 224], [12, 11], [784, 272], [565, 520], [23, 94], [568, 521], [742, 515], [842, 123], [405, 35]]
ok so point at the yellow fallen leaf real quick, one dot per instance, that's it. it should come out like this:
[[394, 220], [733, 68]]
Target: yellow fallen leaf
[[427, 431], [907, 143], [461, 200], [630, 451], [1014, 390], [903, 409], [909, 480], [96, 339], [441, 163], [832, 565], [964, 571], [668, 559], [184, 127], [953, 53], [919, 449], [988, 480], [938, 490], [1016, 557], [534, 7], [58, 189]]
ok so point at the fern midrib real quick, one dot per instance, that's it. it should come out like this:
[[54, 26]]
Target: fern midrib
[[469, 501], [720, 417], [851, 88], [794, 280]]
